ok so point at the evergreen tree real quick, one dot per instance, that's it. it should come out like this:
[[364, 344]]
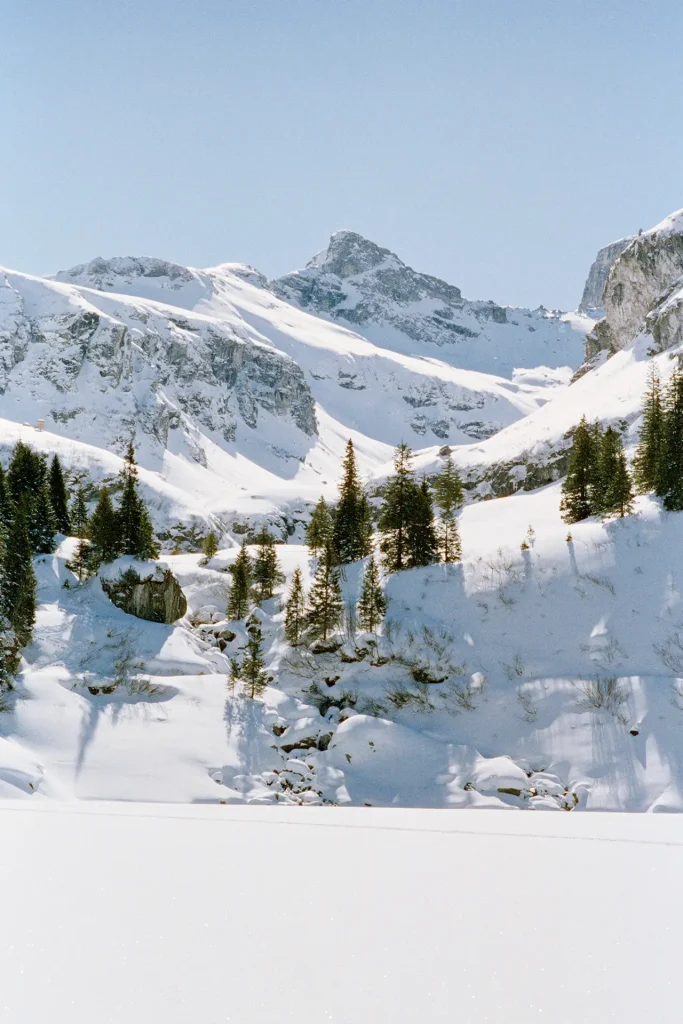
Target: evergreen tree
[[103, 530], [5, 500], [19, 582], [372, 603], [325, 605], [619, 496], [397, 509], [136, 534], [578, 487], [319, 529], [423, 545], [58, 498], [241, 570], [79, 515], [26, 474], [210, 545], [9, 654], [266, 572], [349, 532], [41, 521], [295, 611], [81, 564], [671, 468], [253, 664], [607, 465], [648, 459], [364, 525], [450, 495]]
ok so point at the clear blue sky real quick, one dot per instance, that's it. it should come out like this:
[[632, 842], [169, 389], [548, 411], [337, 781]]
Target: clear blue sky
[[495, 143]]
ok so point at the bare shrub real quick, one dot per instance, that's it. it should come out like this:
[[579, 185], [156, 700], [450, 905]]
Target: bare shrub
[[514, 669], [606, 694]]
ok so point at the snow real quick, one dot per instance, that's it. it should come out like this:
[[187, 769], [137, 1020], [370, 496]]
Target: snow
[[129, 914]]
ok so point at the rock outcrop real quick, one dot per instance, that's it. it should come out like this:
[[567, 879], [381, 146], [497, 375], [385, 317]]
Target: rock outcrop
[[643, 278], [591, 300], [157, 597]]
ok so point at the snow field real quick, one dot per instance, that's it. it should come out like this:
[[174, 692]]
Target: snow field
[[128, 914]]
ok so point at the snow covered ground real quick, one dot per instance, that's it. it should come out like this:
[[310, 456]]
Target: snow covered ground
[[131, 914]]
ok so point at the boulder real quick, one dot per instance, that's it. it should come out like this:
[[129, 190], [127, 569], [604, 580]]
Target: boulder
[[157, 597]]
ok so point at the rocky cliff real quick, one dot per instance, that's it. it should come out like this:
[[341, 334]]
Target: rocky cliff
[[644, 277], [591, 300]]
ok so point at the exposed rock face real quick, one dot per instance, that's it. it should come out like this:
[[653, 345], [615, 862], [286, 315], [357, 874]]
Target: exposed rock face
[[108, 365], [591, 300], [644, 277], [370, 289], [157, 598]]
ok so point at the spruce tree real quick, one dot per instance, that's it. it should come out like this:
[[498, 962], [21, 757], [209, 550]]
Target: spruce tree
[[619, 495], [648, 458], [577, 489], [372, 603], [349, 532], [41, 521], [319, 529], [147, 547], [670, 483], [26, 474], [325, 605], [423, 545], [136, 533], [396, 512], [210, 545], [103, 530], [81, 564], [450, 495], [9, 654], [58, 498], [295, 611], [266, 572], [79, 515], [19, 582], [241, 571], [607, 465], [5, 500], [252, 669]]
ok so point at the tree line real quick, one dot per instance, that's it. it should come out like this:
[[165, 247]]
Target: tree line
[[599, 480], [34, 509]]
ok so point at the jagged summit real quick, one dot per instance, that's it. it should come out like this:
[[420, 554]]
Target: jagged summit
[[368, 287]]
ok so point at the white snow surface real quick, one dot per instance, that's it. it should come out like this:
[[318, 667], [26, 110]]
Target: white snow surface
[[131, 914]]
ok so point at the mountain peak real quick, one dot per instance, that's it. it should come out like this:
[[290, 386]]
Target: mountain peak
[[349, 253]]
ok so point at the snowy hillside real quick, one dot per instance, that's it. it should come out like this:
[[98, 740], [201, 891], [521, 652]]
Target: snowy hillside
[[547, 678]]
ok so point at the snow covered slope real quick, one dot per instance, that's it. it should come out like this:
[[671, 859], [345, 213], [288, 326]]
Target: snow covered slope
[[546, 679], [358, 283], [136, 914]]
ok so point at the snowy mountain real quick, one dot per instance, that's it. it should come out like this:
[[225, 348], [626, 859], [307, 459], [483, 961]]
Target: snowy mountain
[[358, 283], [591, 300]]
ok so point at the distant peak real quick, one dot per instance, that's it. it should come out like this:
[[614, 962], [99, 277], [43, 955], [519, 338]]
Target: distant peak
[[349, 253]]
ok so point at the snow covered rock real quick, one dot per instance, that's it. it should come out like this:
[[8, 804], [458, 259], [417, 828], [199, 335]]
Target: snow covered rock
[[357, 282], [157, 597]]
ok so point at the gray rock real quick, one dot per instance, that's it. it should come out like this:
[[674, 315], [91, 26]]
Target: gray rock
[[591, 300], [156, 598]]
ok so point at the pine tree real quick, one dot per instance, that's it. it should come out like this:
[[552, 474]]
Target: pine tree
[[349, 532], [134, 523], [670, 483], [26, 474], [253, 664], [58, 498], [241, 570], [266, 572], [295, 611], [79, 515], [450, 495], [41, 521], [648, 458], [5, 500], [19, 581], [325, 605], [619, 496], [607, 465], [319, 529], [397, 509], [423, 545], [577, 489], [364, 526], [81, 564], [210, 545], [372, 603], [103, 530]]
